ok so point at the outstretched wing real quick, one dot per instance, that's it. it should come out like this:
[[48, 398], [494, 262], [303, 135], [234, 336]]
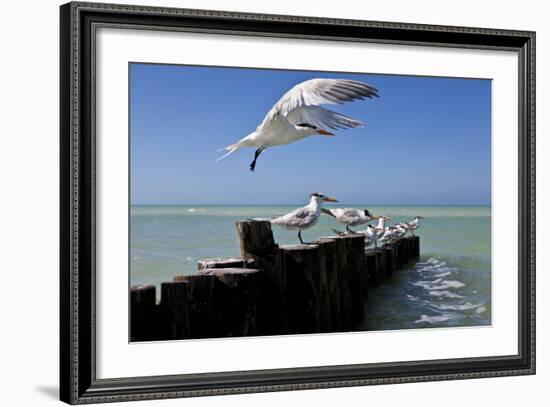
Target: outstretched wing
[[322, 118], [316, 92]]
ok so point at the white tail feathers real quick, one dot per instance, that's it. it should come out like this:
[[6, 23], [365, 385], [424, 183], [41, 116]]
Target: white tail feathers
[[230, 149], [244, 142]]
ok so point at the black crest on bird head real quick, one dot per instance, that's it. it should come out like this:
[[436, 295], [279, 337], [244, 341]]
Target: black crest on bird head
[[367, 213], [317, 194]]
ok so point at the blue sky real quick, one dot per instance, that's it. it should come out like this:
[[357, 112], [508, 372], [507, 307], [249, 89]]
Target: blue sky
[[425, 141]]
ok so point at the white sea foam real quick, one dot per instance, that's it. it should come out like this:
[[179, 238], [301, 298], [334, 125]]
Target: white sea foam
[[457, 307], [481, 310], [433, 319], [453, 284], [444, 293], [434, 285]]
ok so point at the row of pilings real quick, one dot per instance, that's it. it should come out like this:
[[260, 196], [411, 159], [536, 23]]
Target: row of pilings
[[270, 289]]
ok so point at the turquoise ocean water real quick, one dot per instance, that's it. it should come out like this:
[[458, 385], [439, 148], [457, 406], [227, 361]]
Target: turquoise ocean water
[[449, 286]]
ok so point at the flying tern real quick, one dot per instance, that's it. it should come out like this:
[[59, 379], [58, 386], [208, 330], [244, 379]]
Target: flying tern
[[298, 115]]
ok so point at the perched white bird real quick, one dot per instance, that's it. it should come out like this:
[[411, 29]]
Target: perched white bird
[[305, 217], [350, 216], [370, 236], [381, 227], [298, 115], [401, 230], [390, 234], [414, 224]]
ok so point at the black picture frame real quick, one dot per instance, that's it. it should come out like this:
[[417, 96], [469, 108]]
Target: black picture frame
[[78, 382]]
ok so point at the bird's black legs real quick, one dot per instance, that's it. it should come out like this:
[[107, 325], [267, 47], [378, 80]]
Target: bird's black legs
[[256, 155], [301, 241], [349, 230]]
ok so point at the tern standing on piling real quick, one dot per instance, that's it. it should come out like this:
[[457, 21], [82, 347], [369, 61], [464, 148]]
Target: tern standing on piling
[[381, 227], [414, 224], [297, 114], [370, 235], [390, 234], [305, 217], [350, 216]]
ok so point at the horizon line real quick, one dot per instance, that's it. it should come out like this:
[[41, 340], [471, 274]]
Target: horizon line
[[302, 203]]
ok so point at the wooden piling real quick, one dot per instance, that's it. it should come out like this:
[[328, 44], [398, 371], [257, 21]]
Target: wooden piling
[[219, 263], [416, 247], [399, 253], [390, 262], [174, 310], [225, 263], [354, 272], [334, 255], [373, 271], [204, 312], [382, 264], [143, 313], [304, 266], [236, 301], [257, 243]]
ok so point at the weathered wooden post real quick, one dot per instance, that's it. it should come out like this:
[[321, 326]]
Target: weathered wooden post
[[406, 244], [416, 246], [257, 243], [225, 263], [236, 299], [399, 254], [143, 313], [203, 313], [346, 297], [303, 266], [174, 311], [382, 266], [371, 260], [390, 263], [355, 271], [334, 254]]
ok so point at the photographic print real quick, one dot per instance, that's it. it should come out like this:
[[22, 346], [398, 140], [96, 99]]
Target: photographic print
[[327, 189], [273, 202]]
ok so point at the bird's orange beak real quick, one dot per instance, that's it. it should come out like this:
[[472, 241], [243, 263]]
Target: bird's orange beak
[[325, 133], [329, 199]]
